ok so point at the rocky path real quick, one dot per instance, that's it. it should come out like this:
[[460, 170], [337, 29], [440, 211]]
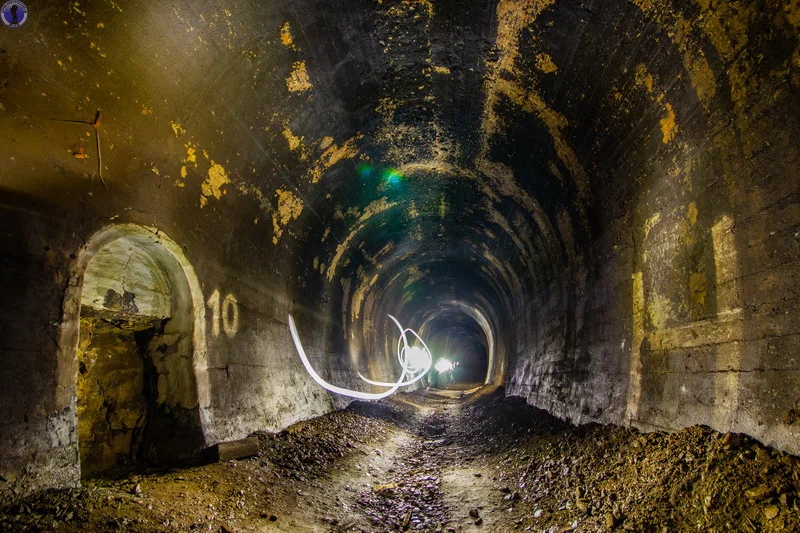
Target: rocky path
[[420, 478], [436, 483]]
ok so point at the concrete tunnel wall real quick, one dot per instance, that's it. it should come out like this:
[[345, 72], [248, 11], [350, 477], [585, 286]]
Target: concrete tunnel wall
[[613, 185]]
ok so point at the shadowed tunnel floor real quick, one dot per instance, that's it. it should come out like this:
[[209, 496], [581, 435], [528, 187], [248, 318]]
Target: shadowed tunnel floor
[[447, 461]]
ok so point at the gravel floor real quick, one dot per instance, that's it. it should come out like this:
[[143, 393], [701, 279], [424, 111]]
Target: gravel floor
[[446, 461]]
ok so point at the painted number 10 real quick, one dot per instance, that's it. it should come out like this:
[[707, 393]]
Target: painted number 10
[[229, 312]]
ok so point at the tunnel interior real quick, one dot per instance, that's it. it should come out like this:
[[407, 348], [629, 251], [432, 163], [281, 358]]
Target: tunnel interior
[[592, 205], [459, 339]]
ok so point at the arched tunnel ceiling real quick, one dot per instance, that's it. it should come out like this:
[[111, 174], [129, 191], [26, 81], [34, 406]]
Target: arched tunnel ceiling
[[403, 152]]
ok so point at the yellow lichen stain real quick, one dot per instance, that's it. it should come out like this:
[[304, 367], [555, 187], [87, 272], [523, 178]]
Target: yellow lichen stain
[[438, 69], [533, 103], [332, 155], [669, 127], [289, 208], [286, 36], [387, 107], [545, 63], [691, 212], [702, 77], [293, 140], [680, 31], [412, 210], [325, 143], [177, 129], [212, 186], [644, 78], [409, 6], [514, 16], [650, 223], [146, 110], [659, 311], [298, 80], [191, 154], [315, 263], [190, 160]]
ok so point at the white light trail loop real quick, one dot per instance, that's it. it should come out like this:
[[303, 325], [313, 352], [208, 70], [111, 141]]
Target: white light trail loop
[[414, 360]]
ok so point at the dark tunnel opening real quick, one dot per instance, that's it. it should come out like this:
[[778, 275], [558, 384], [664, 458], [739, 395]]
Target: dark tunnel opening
[[460, 340]]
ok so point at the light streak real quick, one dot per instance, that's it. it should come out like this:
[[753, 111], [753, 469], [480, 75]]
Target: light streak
[[414, 360]]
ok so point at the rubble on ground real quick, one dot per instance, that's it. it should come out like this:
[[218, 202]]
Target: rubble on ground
[[528, 470]]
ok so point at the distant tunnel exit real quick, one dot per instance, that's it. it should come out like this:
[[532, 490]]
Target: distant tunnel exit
[[461, 340]]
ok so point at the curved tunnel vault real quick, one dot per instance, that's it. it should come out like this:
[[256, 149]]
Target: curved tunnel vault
[[599, 195]]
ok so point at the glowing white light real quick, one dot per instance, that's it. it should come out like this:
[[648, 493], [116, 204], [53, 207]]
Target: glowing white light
[[443, 365], [414, 360], [417, 358]]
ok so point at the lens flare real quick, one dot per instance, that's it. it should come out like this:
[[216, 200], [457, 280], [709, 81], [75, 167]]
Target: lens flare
[[415, 361], [392, 176]]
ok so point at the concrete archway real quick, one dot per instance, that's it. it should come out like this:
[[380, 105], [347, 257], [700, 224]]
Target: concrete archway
[[133, 350]]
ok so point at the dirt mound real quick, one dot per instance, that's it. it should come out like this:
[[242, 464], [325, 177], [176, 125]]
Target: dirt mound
[[220, 497], [560, 477], [306, 447]]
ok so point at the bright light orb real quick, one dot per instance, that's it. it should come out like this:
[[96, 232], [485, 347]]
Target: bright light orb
[[443, 365], [416, 359]]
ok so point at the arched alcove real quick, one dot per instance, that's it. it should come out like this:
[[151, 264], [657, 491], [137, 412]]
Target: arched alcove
[[133, 340]]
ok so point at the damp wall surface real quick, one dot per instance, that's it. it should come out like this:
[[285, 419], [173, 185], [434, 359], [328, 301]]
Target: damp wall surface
[[607, 190], [682, 307]]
